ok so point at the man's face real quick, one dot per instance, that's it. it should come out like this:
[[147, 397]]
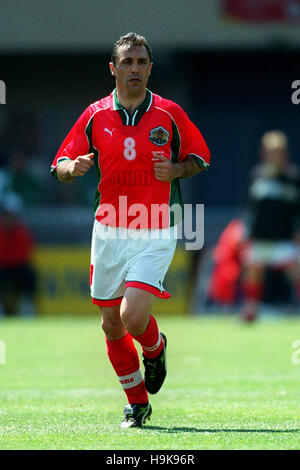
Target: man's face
[[132, 69], [277, 157]]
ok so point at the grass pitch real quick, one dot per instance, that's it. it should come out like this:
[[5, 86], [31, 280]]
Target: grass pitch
[[229, 386]]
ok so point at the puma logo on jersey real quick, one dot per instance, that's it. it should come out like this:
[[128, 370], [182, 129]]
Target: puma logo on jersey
[[110, 132]]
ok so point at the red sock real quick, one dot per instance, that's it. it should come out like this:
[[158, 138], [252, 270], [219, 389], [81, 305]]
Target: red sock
[[124, 358], [151, 340]]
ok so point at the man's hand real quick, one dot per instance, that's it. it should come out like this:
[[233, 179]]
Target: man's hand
[[68, 170], [164, 169], [81, 165]]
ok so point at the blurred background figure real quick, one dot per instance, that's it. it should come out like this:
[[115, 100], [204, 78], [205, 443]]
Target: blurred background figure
[[21, 180], [17, 275], [272, 221], [224, 283]]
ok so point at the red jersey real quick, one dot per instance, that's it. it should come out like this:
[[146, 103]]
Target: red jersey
[[124, 146]]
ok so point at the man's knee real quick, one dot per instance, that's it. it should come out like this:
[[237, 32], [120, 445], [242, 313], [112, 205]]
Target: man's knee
[[131, 319], [134, 319], [112, 324]]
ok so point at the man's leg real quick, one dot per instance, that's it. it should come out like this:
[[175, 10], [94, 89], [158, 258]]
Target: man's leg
[[26, 282], [9, 296], [252, 284], [124, 359], [136, 315], [292, 271], [123, 355]]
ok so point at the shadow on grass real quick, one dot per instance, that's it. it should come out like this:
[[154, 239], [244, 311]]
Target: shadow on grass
[[212, 431]]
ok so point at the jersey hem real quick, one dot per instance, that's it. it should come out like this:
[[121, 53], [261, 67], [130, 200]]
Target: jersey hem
[[200, 161], [149, 288], [107, 302], [54, 167]]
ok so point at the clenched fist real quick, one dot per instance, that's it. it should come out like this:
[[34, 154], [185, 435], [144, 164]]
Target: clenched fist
[[68, 170], [164, 169], [81, 165]]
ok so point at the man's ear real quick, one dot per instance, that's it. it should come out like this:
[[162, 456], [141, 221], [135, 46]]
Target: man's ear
[[112, 69]]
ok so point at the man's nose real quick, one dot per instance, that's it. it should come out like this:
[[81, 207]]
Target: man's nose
[[135, 67]]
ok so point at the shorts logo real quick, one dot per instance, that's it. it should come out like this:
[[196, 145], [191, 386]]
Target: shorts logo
[[159, 136]]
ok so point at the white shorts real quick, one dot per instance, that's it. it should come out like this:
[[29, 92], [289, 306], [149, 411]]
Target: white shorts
[[122, 258], [275, 254]]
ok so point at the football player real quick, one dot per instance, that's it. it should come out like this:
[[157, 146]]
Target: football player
[[272, 221], [141, 145]]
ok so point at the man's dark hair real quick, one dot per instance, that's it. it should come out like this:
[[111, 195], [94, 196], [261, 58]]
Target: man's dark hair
[[131, 40]]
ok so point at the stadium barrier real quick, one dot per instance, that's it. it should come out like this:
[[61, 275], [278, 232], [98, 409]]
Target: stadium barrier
[[63, 281]]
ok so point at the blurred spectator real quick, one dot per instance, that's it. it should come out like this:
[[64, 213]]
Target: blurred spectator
[[272, 221], [20, 180], [223, 287], [17, 275], [224, 283]]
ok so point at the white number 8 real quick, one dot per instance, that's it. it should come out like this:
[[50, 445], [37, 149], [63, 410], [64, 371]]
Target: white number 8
[[129, 148]]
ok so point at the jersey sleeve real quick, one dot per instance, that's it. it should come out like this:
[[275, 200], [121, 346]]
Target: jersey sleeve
[[191, 141], [76, 143]]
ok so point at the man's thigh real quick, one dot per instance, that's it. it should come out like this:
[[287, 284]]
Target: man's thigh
[[108, 267], [115, 263], [149, 262], [138, 300]]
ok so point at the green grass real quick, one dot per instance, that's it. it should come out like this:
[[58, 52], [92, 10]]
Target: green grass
[[229, 386]]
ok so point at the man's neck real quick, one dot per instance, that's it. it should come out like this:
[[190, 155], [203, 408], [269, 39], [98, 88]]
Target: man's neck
[[130, 103]]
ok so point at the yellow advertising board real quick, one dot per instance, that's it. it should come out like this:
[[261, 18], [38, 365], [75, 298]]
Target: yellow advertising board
[[63, 281]]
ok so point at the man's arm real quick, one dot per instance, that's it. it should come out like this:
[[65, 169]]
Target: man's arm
[[166, 171], [67, 170]]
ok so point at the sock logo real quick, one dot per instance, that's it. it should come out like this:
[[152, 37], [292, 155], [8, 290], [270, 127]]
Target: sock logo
[[131, 380]]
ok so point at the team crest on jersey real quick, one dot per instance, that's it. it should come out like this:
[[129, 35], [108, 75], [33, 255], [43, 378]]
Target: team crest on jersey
[[159, 136]]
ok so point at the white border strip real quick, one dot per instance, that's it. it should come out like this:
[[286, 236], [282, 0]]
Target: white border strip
[[156, 346], [131, 380]]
